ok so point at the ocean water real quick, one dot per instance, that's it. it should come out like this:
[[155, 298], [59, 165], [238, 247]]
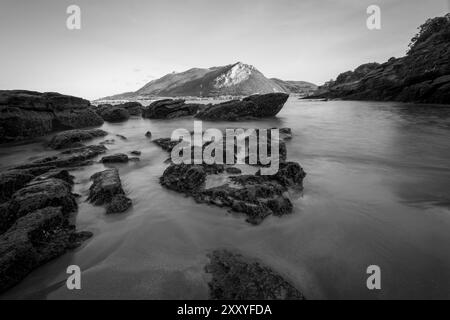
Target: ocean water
[[377, 192]]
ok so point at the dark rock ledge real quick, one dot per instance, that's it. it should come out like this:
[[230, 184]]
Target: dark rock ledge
[[235, 277], [35, 223], [29, 114], [106, 189], [73, 138]]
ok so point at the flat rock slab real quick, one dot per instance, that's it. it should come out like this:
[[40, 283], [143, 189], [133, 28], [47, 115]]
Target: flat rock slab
[[115, 158], [235, 277]]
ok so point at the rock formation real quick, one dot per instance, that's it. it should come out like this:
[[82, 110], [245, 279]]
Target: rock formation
[[423, 75], [106, 189], [29, 114], [235, 277], [169, 109], [68, 139], [256, 106]]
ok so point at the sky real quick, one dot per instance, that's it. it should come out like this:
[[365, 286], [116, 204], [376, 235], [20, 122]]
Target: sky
[[124, 44]]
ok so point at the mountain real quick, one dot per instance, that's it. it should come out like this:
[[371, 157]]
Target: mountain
[[297, 87], [237, 79], [422, 76]]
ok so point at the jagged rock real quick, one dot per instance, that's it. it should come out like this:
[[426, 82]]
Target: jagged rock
[[257, 196], [68, 158], [28, 114], [66, 139], [169, 109], [106, 186], [235, 277], [256, 106], [115, 158], [34, 240]]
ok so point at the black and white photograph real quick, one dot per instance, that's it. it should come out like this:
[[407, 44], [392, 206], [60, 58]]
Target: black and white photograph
[[201, 151]]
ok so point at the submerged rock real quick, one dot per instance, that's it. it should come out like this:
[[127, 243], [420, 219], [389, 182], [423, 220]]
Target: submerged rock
[[235, 277], [66, 139], [68, 158], [169, 109], [148, 134], [34, 240], [166, 143], [115, 158], [136, 152], [29, 114], [256, 106], [106, 189]]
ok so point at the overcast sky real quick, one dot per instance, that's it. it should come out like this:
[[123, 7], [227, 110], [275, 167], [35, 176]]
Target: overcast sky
[[124, 44]]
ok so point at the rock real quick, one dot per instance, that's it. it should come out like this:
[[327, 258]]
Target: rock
[[115, 158], [285, 133], [121, 137], [63, 175], [108, 141], [233, 170], [28, 114], [235, 277], [166, 143], [41, 194], [169, 109], [257, 196], [34, 240], [133, 108], [113, 113], [68, 158], [106, 186], [66, 139], [256, 106], [11, 181], [148, 134], [420, 76], [135, 152], [119, 203]]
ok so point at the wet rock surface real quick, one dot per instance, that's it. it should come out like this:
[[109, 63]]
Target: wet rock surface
[[29, 114], [33, 240], [235, 277], [106, 189], [66, 139], [256, 106], [68, 158], [169, 109], [257, 196]]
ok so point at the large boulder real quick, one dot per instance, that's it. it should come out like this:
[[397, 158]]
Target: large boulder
[[256, 106], [106, 189], [33, 240], [133, 108], [114, 114], [29, 114], [67, 139], [235, 277], [169, 109]]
